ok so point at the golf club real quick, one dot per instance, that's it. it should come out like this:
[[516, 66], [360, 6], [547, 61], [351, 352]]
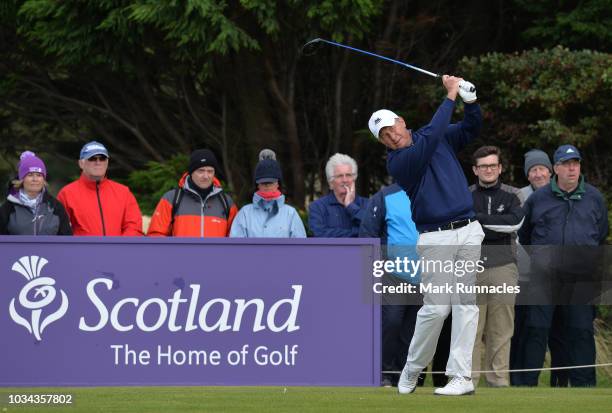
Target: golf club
[[311, 43]]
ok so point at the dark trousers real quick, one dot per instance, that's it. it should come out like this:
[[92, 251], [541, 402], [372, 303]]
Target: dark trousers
[[557, 344], [398, 322], [517, 344], [572, 343]]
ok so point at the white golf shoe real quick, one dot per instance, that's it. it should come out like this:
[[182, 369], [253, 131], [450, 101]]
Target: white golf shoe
[[457, 386], [407, 381]]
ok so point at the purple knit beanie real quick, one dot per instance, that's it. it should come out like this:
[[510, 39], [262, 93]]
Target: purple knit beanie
[[31, 163]]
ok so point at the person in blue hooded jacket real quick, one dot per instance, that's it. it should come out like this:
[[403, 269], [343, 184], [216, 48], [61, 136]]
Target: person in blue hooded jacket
[[388, 217], [268, 216]]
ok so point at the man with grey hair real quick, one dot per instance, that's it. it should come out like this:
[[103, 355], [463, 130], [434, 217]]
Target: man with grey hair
[[538, 171], [338, 214]]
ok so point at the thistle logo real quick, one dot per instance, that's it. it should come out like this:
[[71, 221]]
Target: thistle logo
[[30, 267]]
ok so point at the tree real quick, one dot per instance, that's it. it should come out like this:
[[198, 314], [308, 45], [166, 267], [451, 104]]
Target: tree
[[570, 23], [544, 98], [153, 79]]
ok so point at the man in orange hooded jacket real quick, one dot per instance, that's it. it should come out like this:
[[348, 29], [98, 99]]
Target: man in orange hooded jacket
[[97, 205], [198, 207]]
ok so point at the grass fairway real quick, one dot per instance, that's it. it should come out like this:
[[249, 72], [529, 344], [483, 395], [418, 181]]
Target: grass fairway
[[317, 399]]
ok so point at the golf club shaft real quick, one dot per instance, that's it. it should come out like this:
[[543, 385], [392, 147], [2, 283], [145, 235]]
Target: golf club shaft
[[354, 49]]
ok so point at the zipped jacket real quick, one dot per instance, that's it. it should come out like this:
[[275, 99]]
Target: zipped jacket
[[329, 218], [103, 207], [48, 218], [194, 217], [498, 209], [268, 219], [555, 217], [388, 217]]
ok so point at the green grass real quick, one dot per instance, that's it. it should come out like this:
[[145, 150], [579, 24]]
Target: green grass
[[317, 399]]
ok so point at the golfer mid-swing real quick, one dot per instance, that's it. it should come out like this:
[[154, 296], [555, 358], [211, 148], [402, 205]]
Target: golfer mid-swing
[[424, 163]]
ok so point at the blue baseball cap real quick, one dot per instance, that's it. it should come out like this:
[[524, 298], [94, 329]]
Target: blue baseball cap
[[565, 153], [93, 148]]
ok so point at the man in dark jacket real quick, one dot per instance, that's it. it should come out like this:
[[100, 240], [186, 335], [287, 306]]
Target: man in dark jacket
[[338, 214], [567, 212], [498, 209], [538, 171]]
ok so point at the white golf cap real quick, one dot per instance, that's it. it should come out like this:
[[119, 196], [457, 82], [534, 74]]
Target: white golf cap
[[380, 119]]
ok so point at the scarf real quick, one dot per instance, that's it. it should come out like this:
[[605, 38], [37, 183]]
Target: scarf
[[269, 195], [28, 202]]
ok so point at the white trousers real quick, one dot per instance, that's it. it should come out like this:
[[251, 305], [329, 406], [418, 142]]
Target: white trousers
[[458, 246]]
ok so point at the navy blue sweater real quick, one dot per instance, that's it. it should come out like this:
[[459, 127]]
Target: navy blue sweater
[[429, 171]]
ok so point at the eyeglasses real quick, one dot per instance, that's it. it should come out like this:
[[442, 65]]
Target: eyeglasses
[[342, 176], [492, 167], [97, 159]]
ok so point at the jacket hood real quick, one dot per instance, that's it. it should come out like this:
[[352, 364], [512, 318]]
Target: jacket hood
[[10, 188], [13, 196]]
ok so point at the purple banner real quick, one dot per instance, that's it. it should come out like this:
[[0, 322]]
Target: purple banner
[[116, 311]]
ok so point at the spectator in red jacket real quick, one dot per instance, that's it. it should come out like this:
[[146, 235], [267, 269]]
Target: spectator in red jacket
[[198, 207], [95, 204]]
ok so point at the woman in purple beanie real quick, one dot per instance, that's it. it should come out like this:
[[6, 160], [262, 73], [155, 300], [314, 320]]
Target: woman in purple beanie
[[29, 208]]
